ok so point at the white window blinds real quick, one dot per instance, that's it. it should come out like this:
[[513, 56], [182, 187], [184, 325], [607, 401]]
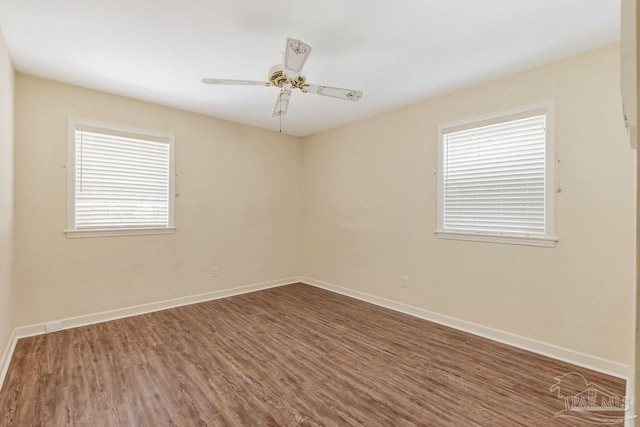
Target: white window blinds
[[494, 178], [122, 180]]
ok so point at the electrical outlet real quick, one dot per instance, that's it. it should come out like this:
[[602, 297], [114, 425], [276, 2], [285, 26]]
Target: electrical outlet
[[214, 271], [405, 282]]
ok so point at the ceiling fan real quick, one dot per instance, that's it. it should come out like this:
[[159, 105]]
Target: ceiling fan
[[287, 77]]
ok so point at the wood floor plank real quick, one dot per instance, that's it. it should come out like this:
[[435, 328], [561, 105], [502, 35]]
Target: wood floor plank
[[294, 355]]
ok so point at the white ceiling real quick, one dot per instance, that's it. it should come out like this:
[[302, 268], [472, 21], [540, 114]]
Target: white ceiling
[[397, 52]]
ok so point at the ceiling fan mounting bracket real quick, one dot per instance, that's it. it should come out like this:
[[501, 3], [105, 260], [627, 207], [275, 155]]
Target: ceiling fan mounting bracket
[[278, 78]]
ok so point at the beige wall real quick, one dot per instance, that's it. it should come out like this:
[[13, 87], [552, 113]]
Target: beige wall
[[369, 213], [238, 209], [354, 206], [6, 192]]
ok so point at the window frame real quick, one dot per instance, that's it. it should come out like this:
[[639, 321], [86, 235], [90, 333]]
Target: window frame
[[72, 125], [549, 239]]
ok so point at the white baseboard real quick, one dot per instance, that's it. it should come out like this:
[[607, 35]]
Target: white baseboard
[[120, 313], [588, 361], [6, 357], [136, 310]]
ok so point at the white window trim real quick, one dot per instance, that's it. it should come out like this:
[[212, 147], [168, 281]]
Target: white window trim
[[549, 240], [71, 232]]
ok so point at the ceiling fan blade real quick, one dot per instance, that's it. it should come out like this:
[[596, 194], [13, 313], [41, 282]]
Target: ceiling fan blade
[[333, 92], [296, 53], [282, 103], [233, 82]]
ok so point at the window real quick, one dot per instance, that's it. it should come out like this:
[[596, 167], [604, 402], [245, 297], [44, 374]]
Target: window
[[495, 180], [120, 180]]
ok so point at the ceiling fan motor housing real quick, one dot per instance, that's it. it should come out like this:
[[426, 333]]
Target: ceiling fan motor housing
[[277, 77]]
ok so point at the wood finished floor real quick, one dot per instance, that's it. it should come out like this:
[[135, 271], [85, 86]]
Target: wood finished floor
[[294, 355]]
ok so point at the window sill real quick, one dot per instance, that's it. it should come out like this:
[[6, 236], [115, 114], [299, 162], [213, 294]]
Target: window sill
[[547, 242], [74, 234]]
